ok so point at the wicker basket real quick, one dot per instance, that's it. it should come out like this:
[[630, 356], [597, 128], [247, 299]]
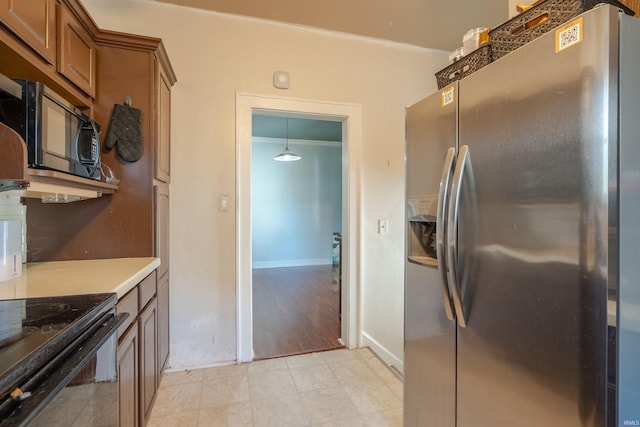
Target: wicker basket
[[531, 24], [633, 5], [464, 66]]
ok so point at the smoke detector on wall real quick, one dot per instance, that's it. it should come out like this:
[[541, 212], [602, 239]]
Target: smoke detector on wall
[[281, 79]]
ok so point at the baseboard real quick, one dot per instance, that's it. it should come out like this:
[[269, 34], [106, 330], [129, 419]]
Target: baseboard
[[291, 263], [383, 353], [170, 369]]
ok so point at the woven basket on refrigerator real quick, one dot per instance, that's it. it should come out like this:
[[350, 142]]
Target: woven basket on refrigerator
[[464, 66], [538, 20], [633, 5]]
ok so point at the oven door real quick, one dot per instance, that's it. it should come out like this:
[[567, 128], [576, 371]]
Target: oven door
[[79, 387]]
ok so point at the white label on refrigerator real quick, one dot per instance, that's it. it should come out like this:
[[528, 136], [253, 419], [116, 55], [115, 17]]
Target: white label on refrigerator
[[569, 35], [447, 96]]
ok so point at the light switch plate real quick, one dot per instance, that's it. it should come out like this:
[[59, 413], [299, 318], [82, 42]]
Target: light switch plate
[[223, 203]]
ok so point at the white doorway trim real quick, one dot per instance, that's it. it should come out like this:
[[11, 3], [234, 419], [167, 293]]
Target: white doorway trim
[[351, 117]]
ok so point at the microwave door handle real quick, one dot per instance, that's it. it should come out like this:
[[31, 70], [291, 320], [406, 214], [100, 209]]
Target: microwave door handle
[[443, 192], [78, 140], [82, 129], [96, 160], [452, 234]]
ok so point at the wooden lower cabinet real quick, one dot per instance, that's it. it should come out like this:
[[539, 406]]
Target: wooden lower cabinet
[[161, 203], [128, 378], [163, 323], [148, 328], [141, 341]]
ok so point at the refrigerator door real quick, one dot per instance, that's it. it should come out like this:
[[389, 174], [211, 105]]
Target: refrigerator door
[[430, 335], [534, 217], [628, 327]]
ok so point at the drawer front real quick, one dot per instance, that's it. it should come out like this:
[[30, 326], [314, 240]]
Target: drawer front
[[147, 289], [128, 304]]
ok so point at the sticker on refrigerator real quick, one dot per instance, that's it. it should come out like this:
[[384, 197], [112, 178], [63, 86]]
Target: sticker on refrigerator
[[569, 35], [447, 96]]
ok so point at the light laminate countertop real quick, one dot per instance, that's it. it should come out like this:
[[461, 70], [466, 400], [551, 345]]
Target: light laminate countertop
[[56, 278]]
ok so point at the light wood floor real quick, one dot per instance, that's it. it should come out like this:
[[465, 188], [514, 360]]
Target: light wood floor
[[295, 311]]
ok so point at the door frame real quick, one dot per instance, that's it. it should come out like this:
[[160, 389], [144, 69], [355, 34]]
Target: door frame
[[351, 117]]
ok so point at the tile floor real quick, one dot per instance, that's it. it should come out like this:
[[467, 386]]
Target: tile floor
[[334, 388]]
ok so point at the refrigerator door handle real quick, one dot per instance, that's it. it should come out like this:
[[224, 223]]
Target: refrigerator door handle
[[452, 234], [445, 180]]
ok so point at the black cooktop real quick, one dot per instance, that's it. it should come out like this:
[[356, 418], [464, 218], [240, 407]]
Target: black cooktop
[[33, 330]]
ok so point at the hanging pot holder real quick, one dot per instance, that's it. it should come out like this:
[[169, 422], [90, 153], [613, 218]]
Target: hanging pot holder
[[125, 132]]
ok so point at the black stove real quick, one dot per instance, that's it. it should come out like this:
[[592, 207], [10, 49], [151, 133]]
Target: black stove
[[35, 331]]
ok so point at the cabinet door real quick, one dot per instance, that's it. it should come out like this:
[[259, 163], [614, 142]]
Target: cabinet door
[[148, 327], [163, 323], [34, 22], [161, 194], [163, 126], [128, 377], [76, 52]]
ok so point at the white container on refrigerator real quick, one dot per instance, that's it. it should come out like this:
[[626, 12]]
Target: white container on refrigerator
[[10, 249]]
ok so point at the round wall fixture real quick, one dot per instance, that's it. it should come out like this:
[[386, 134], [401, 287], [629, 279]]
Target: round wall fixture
[[281, 79]]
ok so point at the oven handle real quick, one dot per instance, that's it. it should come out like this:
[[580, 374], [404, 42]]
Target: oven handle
[[57, 373]]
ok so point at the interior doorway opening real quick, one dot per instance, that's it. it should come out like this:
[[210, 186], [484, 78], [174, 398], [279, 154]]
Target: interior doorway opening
[[350, 115], [296, 228]]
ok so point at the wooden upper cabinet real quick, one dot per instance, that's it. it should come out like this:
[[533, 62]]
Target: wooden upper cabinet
[[34, 22], [163, 125], [76, 52]]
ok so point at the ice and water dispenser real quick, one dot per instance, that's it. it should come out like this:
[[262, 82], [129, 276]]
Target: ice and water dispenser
[[421, 233]]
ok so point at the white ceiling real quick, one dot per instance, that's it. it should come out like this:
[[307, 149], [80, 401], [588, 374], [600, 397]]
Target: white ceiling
[[437, 24]]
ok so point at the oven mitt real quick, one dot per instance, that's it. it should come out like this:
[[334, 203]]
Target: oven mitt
[[124, 130]]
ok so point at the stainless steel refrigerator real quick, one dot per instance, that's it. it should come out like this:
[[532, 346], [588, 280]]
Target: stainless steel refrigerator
[[522, 281]]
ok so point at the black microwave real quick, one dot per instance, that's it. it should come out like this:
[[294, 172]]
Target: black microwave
[[58, 135]]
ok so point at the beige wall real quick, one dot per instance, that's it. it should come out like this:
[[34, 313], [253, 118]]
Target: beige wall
[[215, 56]]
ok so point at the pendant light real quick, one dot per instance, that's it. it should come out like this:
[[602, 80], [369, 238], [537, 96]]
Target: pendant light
[[287, 155]]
